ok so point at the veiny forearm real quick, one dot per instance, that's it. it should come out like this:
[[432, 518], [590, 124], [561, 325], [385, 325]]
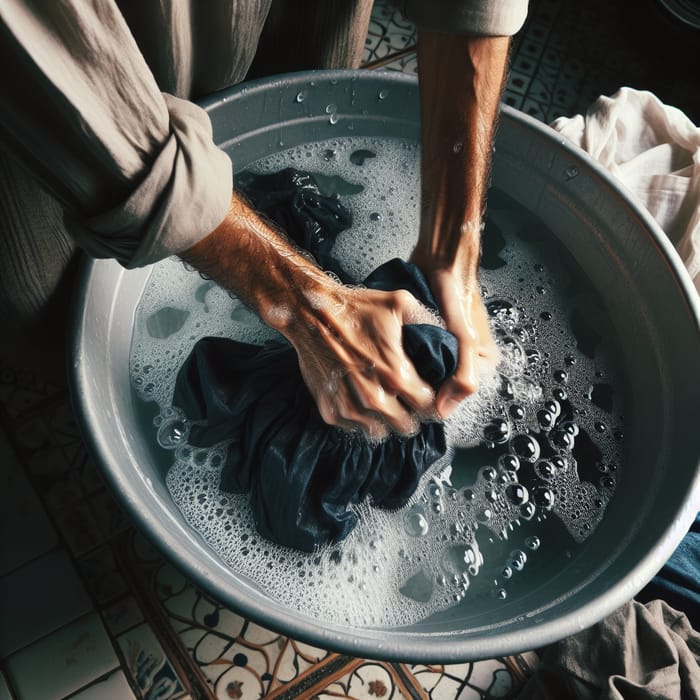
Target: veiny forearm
[[246, 255], [461, 82], [348, 340]]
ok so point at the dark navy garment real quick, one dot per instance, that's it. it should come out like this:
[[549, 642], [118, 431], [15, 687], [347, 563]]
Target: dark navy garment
[[301, 474], [678, 582]]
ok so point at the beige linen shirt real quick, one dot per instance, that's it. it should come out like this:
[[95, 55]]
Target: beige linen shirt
[[96, 103]]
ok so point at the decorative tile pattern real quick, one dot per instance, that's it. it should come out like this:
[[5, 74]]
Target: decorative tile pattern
[[147, 664], [391, 39], [478, 680]]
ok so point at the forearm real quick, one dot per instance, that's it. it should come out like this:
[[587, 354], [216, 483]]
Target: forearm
[[246, 255], [461, 82]]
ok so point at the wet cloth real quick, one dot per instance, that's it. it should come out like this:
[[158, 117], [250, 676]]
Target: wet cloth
[[640, 652], [654, 150], [301, 474]]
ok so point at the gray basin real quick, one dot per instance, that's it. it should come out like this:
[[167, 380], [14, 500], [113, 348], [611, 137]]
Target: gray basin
[[652, 305]]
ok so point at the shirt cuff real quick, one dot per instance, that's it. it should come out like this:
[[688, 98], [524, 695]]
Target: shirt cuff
[[184, 196], [474, 17]]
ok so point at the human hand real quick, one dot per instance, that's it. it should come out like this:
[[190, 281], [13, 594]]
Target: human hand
[[463, 310], [348, 340], [352, 360]]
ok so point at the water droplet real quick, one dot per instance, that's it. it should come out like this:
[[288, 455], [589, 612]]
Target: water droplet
[[532, 542], [509, 462], [489, 474], [525, 447], [416, 523], [608, 482], [553, 407], [517, 494], [503, 310], [501, 594], [545, 419], [562, 439], [333, 119], [560, 376], [543, 497], [559, 394], [517, 411], [527, 510], [301, 96], [506, 389], [507, 572], [171, 433], [484, 515], [375, 216], [383, 94], [518, 559], [497, 431], [469, 496], [545, 470]]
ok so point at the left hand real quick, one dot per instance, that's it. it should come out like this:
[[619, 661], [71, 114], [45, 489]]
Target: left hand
[[465, 315]]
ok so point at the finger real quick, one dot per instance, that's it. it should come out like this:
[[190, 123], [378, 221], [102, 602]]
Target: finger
[[462, 384], [341, 410], [373, 398], [409, 387]]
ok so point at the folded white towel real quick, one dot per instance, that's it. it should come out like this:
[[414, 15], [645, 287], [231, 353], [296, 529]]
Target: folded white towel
[[654, 150]]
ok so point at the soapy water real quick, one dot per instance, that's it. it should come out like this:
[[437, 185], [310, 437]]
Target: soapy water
[[534, 454]]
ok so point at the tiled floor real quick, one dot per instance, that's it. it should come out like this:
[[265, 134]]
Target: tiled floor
[[89, 610]]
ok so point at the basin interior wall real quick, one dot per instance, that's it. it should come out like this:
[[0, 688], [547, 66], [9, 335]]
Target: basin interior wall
[[651, 304]]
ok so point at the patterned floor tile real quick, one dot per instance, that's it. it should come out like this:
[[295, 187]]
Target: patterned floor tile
[[115, 686], [147, 664], [389, 33], [25, 529], [39, 598], [366, 681], [22, 391], [102, 575], [63, 662], [478, 680], [122, 615]]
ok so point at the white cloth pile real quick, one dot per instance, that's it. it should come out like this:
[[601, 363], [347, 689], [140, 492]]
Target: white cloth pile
[[654, 150]]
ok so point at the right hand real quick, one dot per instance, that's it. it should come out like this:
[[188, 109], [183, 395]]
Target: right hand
[[352, 360]]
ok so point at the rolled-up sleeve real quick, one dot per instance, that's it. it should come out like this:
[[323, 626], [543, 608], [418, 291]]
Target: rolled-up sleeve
[[136, 169], [477, 17]]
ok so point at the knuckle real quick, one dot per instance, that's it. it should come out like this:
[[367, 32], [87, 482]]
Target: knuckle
[[464, 386], [328, 414], [403, 299]]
